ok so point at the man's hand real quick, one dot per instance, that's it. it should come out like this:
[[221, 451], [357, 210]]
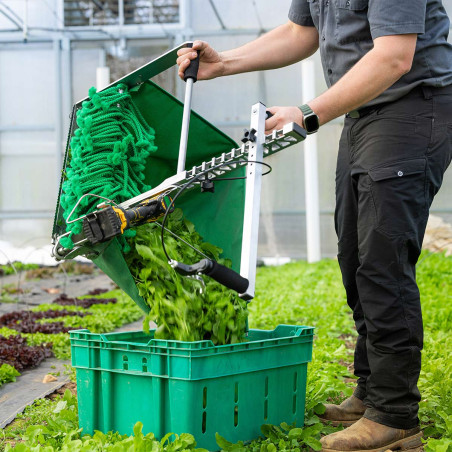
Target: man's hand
[[281, 117], [280, 47], [210, 62]]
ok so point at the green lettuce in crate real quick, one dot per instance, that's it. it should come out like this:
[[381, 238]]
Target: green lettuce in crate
[[181, 307]]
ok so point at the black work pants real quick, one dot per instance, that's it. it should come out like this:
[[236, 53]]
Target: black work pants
[[390, 166]]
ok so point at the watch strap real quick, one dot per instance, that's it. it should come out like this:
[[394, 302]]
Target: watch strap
[[306, 110]]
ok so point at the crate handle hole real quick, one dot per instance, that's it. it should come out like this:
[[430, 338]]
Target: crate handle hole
[[236, 393], [204, 422], [294, 407], [204, 397], [236, 416], [265, 409]]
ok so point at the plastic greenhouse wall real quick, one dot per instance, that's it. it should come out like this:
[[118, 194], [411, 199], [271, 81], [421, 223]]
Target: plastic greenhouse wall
[[31, 113]]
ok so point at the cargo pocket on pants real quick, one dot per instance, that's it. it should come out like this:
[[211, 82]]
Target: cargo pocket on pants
[[398, 193]]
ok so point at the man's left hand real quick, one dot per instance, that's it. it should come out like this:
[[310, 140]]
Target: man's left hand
[[281, 117]]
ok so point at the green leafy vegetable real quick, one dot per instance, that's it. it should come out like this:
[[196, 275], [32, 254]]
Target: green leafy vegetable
[[7, 373], [182, 308], [298, 293]]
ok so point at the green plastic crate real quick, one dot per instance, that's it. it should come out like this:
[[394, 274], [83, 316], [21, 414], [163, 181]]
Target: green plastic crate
[[191, 387]]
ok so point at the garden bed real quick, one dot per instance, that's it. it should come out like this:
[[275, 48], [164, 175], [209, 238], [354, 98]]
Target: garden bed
[[297, 293]]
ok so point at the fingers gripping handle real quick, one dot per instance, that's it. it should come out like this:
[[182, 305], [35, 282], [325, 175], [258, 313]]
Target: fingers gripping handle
[[192, 70], [228, 277]]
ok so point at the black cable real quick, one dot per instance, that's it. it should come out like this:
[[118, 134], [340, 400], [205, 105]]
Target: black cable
[[191, 182], [243, 177]]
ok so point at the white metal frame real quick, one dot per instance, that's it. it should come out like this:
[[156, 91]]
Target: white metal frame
[[252, 200], [311, 172]]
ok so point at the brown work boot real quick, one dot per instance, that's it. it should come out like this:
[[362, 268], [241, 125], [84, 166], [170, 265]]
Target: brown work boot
[[368, 436], [347, 413]]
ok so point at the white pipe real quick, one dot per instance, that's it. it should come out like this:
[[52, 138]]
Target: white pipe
[[185, 126], [102, 77], [252, 200], [25, 28], [58, 111], [66, 67], [311, 171], [121, 12]]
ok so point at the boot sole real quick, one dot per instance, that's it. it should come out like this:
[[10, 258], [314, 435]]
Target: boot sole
[[412, 444]]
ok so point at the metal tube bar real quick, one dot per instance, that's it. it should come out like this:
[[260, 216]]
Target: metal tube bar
[[14, 21], [25, 21], [58, 113], [67, 82], [217, 14], [252, 200], [311, 172], [185, 126], [121, 12]]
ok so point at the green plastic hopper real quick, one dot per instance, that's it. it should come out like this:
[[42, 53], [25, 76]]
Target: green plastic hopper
[[217, 216]]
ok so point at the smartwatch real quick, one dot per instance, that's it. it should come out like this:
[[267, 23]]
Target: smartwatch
[[310, 119]]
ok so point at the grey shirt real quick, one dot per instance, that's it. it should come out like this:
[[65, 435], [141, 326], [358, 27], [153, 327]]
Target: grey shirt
[[347, 29]]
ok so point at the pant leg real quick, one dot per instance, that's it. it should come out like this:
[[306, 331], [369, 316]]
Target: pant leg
[[346, 219], [398, 157]]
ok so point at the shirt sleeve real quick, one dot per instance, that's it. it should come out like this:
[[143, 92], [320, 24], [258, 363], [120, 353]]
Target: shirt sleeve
[[300, 13], [396, 17]]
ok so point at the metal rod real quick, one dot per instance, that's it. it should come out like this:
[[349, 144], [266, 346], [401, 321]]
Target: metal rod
[[25, 21], [217, 14], [19, 27], [12, 19], [185, 126], [311, 172], [182, 240], [58, 112], [121, 12], [252, 201]]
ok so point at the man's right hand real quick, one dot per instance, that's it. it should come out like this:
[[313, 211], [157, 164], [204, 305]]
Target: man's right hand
[[210, 62]]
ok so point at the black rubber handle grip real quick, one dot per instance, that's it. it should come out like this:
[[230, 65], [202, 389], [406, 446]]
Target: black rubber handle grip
[[192, 70], [228, 277]]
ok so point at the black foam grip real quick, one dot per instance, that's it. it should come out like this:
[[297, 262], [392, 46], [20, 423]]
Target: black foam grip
[[192, 70], [228, 277]]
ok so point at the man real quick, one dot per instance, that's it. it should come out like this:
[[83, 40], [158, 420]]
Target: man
[[389, 69]]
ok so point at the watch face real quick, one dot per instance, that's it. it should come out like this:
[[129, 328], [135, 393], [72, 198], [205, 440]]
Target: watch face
[[311, 123]]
